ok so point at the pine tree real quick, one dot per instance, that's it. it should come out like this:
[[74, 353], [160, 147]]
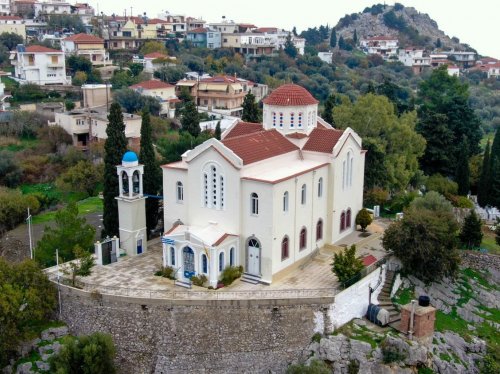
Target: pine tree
[[218, 131], [470, 233], [494, 193], [152, 172], [483, 189], [190, 120], [346, 265], [438, 43], [495, 146], [462, 176], [333, 38], [294, 31], [328, 112], [114, 148], [251, 112], [290, 49], [341, 42], [355, 37]]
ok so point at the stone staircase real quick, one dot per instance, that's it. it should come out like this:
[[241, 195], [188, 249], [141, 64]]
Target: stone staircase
[[384, 298], [183, 284], [250, 278]]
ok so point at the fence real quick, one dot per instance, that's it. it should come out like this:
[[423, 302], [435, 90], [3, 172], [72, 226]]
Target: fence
[[363, 273], [172, 294]]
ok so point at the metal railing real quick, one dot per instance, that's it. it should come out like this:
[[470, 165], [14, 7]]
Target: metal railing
[[173, 294]]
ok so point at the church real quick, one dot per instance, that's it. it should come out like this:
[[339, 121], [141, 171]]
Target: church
[[266, 195]]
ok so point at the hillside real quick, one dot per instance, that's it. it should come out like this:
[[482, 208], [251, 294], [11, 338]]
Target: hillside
[[410, 26]]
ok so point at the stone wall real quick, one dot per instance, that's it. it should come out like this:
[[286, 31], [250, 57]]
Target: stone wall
[[172, 336], [480, 261]]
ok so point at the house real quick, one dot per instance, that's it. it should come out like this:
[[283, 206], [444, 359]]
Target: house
[[462, 59], [194, 23], [204, 38], [264, 197], [13, 24], [44, 9], [326, 57], [494, 70], [87, 125], [154, 61], [385, 46], [439, 59], [85, 11], [164, 92], [86, 45], [5, 7], [133, 32], [23, 8], [414, 58], [249, 43], [39, 65], [453, 70]]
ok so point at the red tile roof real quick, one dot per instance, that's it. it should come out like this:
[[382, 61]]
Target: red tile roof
[[84, 38], [259, 146], [151, 85], [368, 260], [322, 140], [243, 128], [247, 25], [266, 30], [290, 95], [221, 239], [296, 135], [155, 55], [41, 49]]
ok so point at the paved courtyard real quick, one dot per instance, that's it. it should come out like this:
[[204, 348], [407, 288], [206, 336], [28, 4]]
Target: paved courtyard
[[312, 276]]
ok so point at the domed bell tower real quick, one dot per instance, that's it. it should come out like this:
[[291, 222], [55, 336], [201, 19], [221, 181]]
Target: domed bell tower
[[131, 205]]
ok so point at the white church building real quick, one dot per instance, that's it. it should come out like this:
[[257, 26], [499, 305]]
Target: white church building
[[266, 195]]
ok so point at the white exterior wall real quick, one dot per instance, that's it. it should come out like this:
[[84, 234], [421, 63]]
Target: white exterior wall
[[42, 71], [173, 209], [309, 118], [132, 127], [5, 7], [68, 46], [164, 93]]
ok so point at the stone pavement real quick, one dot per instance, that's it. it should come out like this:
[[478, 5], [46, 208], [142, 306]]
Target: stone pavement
[[135, 275]]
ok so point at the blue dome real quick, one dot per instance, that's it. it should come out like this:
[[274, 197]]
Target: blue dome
[[130, 156]]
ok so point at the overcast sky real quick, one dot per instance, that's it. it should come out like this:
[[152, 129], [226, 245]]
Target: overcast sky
[[475, 23]]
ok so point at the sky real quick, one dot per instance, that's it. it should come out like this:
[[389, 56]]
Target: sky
[[473, 23]]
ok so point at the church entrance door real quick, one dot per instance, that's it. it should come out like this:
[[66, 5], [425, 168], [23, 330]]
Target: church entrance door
[[253, 257], [188, 262]]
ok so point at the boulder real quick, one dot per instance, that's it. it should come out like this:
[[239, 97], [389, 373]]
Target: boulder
[[359, 350], [330, 348], [24, 368], [44, 366], [54, 333]]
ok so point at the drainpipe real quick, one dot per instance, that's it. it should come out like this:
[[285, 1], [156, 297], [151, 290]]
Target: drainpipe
[[410, 332]]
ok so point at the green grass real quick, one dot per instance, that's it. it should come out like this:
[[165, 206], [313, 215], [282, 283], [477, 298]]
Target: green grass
[[87, 206], [478, 277], [20, 145], [451, 322], [404, 296], [445, 357], [490, 244], [36, 327]]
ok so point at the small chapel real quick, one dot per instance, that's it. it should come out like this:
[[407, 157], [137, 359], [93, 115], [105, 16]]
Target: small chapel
[[264, 196]]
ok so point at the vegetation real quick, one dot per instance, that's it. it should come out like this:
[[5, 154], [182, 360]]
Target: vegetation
[[92, 354], [84, 177], [483, 189], [152, 178], [13, 208], [199, 280], [153, 46], [133, 102], [81, 266], [69, 231], [190, 119], [363, 219], [166, 272], [471, 234], [115, 147], [346, 265], [27, 298], [315, 367], [251, 111], [425, 239], [230, 274]]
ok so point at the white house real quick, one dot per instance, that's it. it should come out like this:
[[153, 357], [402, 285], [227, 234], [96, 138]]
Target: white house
[[385, 46], [326, 57], [5, 7], [163, 92], [39, 65], [265, 196], [154, 61], [494, 70], [51, 7], [88, 46], [414, 58]]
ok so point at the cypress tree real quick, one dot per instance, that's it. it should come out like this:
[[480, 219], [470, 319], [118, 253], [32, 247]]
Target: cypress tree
[[495, 147], [341, 42], [114, 149], [470, 233], [333, 38], [355, 37], [190, 120], [494, 192], [152, 172], [218, 131], [483, 189], [250, 109], [289, 47], [462, 176], [328, 112]]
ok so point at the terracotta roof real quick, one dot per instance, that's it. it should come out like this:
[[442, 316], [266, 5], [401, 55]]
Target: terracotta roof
[[243, 128], [84, 38], [155, 55], [247, 25], [296, 135], [290, 95], [368, 260], [266, 29], [259, 146], [151, 85], [221, 239], [199, 30], [221, 79], [41, 49], [322, 140], [10, 18]]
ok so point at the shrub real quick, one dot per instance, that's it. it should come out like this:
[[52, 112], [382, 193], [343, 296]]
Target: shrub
[[346, 265], [13, 206], [391, 353], [199, 280], [230, 274], [315, 367], [166, 272], [316, 337], [363, 218], [443, 185]]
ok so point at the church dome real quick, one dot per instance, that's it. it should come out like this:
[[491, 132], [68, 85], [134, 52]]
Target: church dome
[[290, 95], [130, 157]]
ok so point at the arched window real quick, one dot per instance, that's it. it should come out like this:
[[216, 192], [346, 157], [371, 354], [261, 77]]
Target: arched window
[[254, 203], [285, 202], [350, 170], [221, 261], [342, 221], [303, 239], [320, 187], [281, 119], [348, 218], [125, 186], [274, 119], [319, 230], [303, 194], [172, 256], [292, 120], [213, 187], [136, 183], [231, 257], [204, 264], [180, 192], [284, 248], [300, 119]]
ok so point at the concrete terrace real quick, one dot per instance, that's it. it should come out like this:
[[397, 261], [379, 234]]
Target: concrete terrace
[[311, 277]]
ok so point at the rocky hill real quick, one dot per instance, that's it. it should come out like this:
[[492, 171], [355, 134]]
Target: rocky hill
[[410, 26]]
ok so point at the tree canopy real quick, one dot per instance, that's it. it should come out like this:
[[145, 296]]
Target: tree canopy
[[393, 145], [251, 111]]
